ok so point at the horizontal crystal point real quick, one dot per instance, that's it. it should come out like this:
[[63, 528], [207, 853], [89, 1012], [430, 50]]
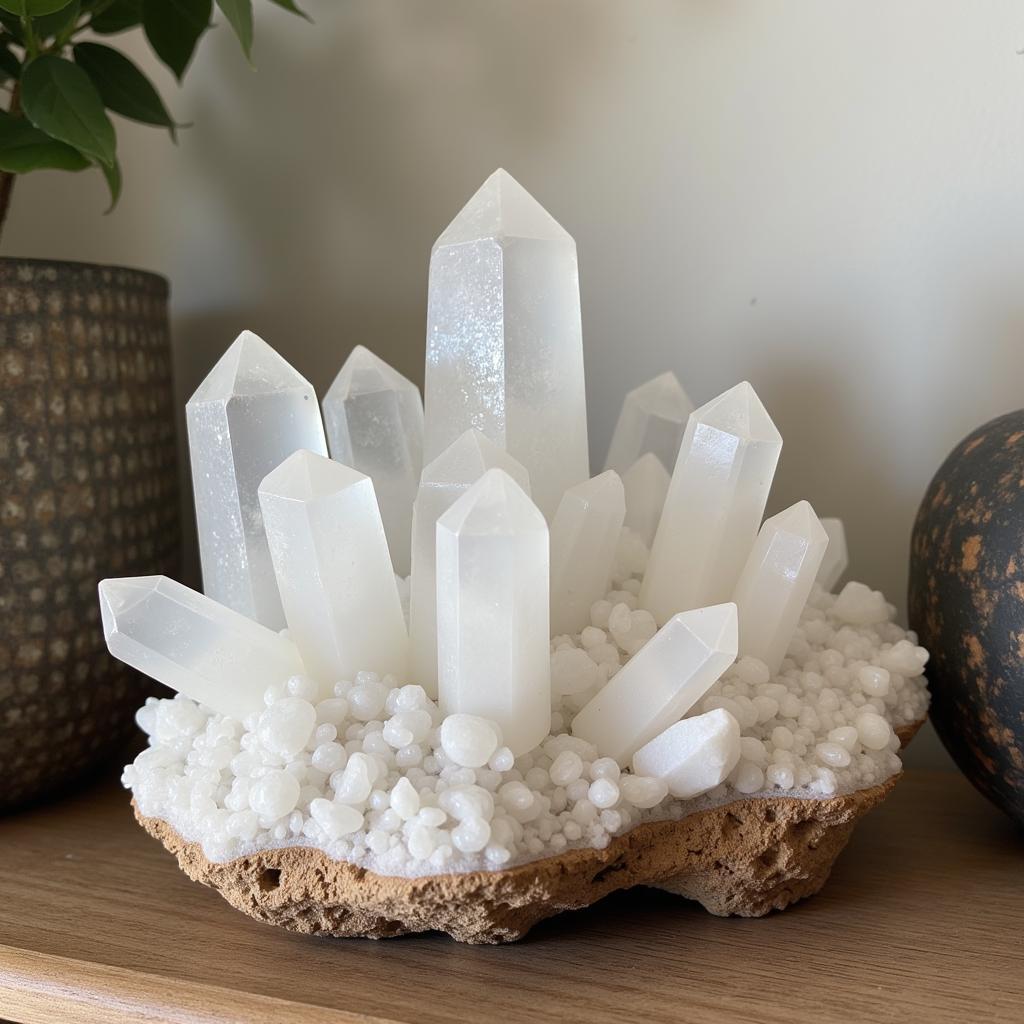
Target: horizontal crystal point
[[714, 505], [504, 338], [193, 644], [693, 755], [374, 421], [443, 481], [492, 610], [660, 683], [776, 581], [333, 569], [653, 419], [836, 559], [249, 414], [584, 538], [646, 485]]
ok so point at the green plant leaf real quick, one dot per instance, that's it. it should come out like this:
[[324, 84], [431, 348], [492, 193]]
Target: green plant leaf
[[289, 5], [122, 86], [173, 28], [58, 97], [10, 66], [239, 14], [119, 16], [33, 8], [113, 176], [24, 148], [53, 24]]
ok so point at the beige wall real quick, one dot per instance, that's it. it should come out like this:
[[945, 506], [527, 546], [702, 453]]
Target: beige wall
[[824, 198]]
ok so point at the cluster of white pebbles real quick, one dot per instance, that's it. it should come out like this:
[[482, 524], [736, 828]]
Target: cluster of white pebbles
[[373, 775]]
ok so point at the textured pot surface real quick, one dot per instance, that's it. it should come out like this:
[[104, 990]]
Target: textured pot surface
[[88, 462], [966, 602]]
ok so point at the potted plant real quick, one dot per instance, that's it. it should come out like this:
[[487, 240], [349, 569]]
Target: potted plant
[[87, 447]]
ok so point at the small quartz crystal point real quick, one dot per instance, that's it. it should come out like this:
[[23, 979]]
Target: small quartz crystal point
[[776, 581], [645, 484], [837, 558], [504, 338], [714, 505], [660, 683], [584, 538], [693, 755], [250, 413], [443, 481], [333, 569], [374, 421], [193, 644], [493, 640], [653, 419]]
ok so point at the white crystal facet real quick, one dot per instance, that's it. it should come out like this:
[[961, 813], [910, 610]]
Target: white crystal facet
[[443, 481], [645, 484], [714, 505], [652, 419], [660, 683], [249, 414], [837, 557], [193, 644], [374, 421], [504, 338], [584, 538], [776, 581], [492, 610], [331, 559], [693, 755]]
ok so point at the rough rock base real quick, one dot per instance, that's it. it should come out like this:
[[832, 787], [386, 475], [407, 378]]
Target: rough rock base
[[746, 858]]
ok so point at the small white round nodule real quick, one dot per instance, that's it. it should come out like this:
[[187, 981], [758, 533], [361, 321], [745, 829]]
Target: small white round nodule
[[336, 820], [874, 731], [468, 740], [748, 777], [566, 768], [603, 793], [286, 725], [471, 835], [302, 687], [274, 795], [643, 791], [405, 801]]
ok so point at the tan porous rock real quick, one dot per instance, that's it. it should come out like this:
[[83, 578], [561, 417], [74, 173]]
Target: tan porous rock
[[746, 858]]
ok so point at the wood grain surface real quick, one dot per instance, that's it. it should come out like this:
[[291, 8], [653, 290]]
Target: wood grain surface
[[923, 920]]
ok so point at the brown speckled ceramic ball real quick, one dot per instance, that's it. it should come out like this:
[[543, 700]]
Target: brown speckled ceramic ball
[[966, 602]]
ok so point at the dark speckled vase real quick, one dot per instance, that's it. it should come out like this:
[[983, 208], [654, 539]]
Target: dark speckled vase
[[90, 489], [966, 602]]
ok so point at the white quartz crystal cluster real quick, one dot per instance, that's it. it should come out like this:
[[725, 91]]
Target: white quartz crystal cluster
[[447, 645]]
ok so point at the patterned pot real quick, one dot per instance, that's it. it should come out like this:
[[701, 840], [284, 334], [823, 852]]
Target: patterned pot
[[90, 489]]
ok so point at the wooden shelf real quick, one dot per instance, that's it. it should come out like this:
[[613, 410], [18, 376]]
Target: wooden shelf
[[923, 920]]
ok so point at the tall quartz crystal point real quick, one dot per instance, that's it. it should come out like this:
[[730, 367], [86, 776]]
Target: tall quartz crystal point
[[660, 683], [333, 569], [837, 558], [714, 505], [252, 411], [374, 421], [584, 537], [193, 644], [652, 419], [504, 338], [776, 581], [443, 481], [492, 610], [646, 485]]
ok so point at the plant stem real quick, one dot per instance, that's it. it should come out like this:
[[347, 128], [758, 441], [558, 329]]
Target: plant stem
[[7, 178]]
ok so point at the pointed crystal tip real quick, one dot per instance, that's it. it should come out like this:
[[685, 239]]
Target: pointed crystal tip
[[249, 367], [306, 476], [119, 595], [502, 208], [799, 519], [365, 373], [716, 626], [663, 396], [468, 457], [494, 505], [739, 411]]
